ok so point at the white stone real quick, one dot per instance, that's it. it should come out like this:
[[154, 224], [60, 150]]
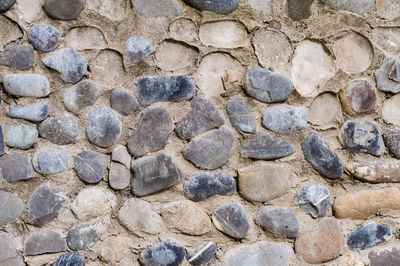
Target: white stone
[[324, 110], [387, 40], [224, 34], [85, 38], [28, 10], [107, 69], [391, 110], [388, 9], [184, 30], [261, 7], [111, 9]]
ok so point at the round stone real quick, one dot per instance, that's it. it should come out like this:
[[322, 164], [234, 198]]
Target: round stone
[[325, 110], [36, 112], [22, 136], [240, 115], [156, 8], [281, 221], [358, 97], [44, 38], [123, 102], [388, 9], [356, 6], [10, 254], [27, 85], [61, 129], [119, 176], [137, 49], [368, 234], [16, 166], [11, 207], [285, 119], [167, 253], [44, 241], [299, 10], [82, 95], [90, 166], [224, 34], [85, 38], [63, 10]]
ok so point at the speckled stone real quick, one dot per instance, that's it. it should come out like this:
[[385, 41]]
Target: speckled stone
[[217, 6], [202, 254], [377, 171], [299, 10], [368, 234], [137, 49], [69, 259], [358, 97], [50, 161], [281, 221], [314, 199], [84, 94], [18, 56], [61, 130], [16, 166], [63, 9], [231, 219], [392, 140], [9, 255], [388, 76], [6, 5], [155, 8], [42, 242], [22, 136], [85, 236], [123, 102], [11, 207], [27, 85], [119, 176], [285, 119], [90, 166], [35, 112], [163, 253], [385, 257], [44, 38]]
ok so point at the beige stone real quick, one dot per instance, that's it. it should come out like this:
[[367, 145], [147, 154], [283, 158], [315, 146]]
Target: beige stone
[[224, 34], [107, 69], [349, 260], [388, 9], [378, 171], [85, 38], [391, 110], [184, 30], [9, 31], [387, 40], [115, 249], [111, 9], [324, 110]]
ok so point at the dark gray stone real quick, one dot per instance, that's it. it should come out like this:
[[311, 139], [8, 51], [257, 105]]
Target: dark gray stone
[[84, 236], [9, 255], [154, 173], [391, 138], [123, 102], [50, 161], [385, 258], [156, 8], [203, 185], [63, 9], [103, 127], [22, 136], [322, 159], [164, 89], [217, 6], [35, 112], [27, 85], [61, 129], [285, 119], [363, 136], [202, 254], [299, 9], [42, 242], [68, 62], [163, 253], [265, 147], [211, 150], [120, 154], [11, 207], [69, 259], [152, 132], [387, 76], [119, 176], [231, 219], [6, 5], [44, 38], [44, 205], [18, 56], [202, 117], [314, 199], [16, 166], [82, 95], [279, 220], [90, 166], [2, 147], [267, 86], [240, 115], [138, 49], [368, 234]]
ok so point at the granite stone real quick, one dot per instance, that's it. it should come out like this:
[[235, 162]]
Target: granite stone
[[62, 129]]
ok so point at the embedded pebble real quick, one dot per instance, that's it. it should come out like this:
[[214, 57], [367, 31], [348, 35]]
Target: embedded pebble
[[155, 8], [116, 249], [22, 136], [163, 253], [69, 259], [285, 119], [391, 110], [85, 38], [184, 30], [314, 199], [16, 166], [392, 140], [231, 219], [114, 10], [261, 7], [123, 102], [10, 256], [6, 5], [50, 161], [358, 97], [202, 253], [35, 112], [119, 176], [368, 234], [240, 115], [85, 236], [137, 49], [388, 76], [388, 10], [2, 146], [82, 95], [299, 10], [378, 171], [107, 69], [42, 242], [11, 207], [355, 6], [44, 38], [385, 257], [27, 85], [224, 34], [325, 110], [59, 9], [278, 220], [18, 56], [120, 154], [218, 6], [177, 58], [90, 166], [61, 130], [10, 31]]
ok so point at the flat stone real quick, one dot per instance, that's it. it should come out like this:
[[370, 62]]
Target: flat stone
[[123, 102], [363, 204], [388, 10], [44, 38], [325, 110], [204, 185], [85, 236], [111, 9], [391, 110], [217, 6], [68, 62], [50, 161], [137, 49], [163, 253], [35, 112], [386, 39], [2, 146], [16, 166], [378, 171], [202, 253], [90, 166], [61, 130], [164, 89], [321, 157], [42, 242], [240, 115], [84, 94], [6, 5], [184, 30], [120, 154], [119, 176], [115, 249], [69, 259], [152, 132], [211, 150], [231, 219], [285, 119], [386, 257], [368, 234], [358, 97], [267, 86], [224, 34], [355, 6], [392, 140], [18, 56], [27, 85], [299, 10], [103, 127], [9, 256], [264, 181], [11, 207], [363, 136], [387, 76], [314, 199], [60, 9], [265, 147], [202, 117], [85, 38], [44, 205], [154, 173], [261, 7], [155, 8], [322, 244], [22, 136], [107, 69], [281, 221]]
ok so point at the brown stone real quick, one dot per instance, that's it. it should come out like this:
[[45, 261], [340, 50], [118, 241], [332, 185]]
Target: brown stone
[[358, 97], [392, 140], [323, 244], [378, 171], [114, 249]]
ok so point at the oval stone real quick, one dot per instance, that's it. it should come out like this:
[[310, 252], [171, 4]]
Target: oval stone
[[50, 161], [358, 97], [63, 10], [217, 6], [27, 85], [62, 129], [231, 219], [44, 38]]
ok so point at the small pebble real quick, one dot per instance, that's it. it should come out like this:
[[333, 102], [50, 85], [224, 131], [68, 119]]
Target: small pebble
[[6, 5], [231, 219], [44, 38], [368, 234], [90, 166], [239, 114], [137, 49], [61, 130], [388, 76], [386, 257], [120, 154], [299, 10], [69, 259], [2, 146], [85, 236], [392, 140], [16, 166], [50, 161], [314, 199], [42, 242], [27, 85], [22, 136], [83, 94], [18, 56], [35, 112], [123, 102], [355, 6], [10, 255], [163, 253], [278, 220], [202, 254], [285, 119], [218, 6], [155, 8], [59, 9], [378, 171], [359, 97], [11, 207], [119, 176]]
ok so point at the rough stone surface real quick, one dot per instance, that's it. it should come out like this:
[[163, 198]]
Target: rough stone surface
[[107, 69], [115, 249], [50, 161], [69, 259], [44, 38], [392, 140], [202, 253], [359, 97], [224, 34], [137, 49], [356, 6], [285, 119], [90, 166], [378, 171], [163, 253], [368, 234], [82, 95], [386, 257], [16, 166], [325, 110], [35, 112], [61, 130], [240, 115], [45, 241], [281, 221], [391, 110], [11, 207], [27, 85], [314, 199], [388, 76], [155, 8], [18, 56], [6, 5], [119, 176], [299, 10], [85, 38], [22, 136], [10, 255], [231, 219], [85, 236], [63, 10], [123, 102], [184, 30], [217, 6], [120, 154]]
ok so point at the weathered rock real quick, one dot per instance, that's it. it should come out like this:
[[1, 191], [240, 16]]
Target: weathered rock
[[323, 244], [85, 236], [217, 6], [6, 5], [314, 199], [69, 259], [16, 166], [137, 49], [349, 259], [2, 146], [358, 97], [154, 8], [363, 136], [61, 130], [63, 10], [85, 38], [152, 132], [115, 249], [10, 31], [82, 95], [368, 234], [211, 150], [325, 110], [278, 220], [392, 140], [386, 257], [231, 219], [154, 173], [356, 6], [27, 85], [9, 255], [90, 166], [44, 38], [264, 181], [50, 161], [321, 157], [22, 136], [299, 10], [68, 62], [388, 76], [120, 154], [184, 30], [30, 15], [42, 242], [123, 102], [388, 10], [391, 110], [386, 40], [107, 69], [11, 207], [18, 56], [224, 34], [119, 176], [240, 115], [202, 253], [111, 9], [35, 112], [163, 253], [285, 119], [378, 171]]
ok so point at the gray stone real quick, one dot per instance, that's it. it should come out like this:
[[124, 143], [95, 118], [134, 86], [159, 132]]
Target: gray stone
[[16, 166], [44, 38], [240, 115], [61, 129], [2, 147], [22, 136], [35, 112], [63, 10], [11, 207], [120, 154], [119, 176], [152, 132], [368, 234], [155, 8], [385, 258], [265, 147], [299, 10], [9, 255], [42, 242], [18, 56], [388, 76], [231, 219], [123, 102], [50, 161], [138, 49], [69, 63], [44, 205], [27, 85], [211, 150], [163, 253], [90, 166], [6, 5], [314, 199], [69, 259], [164, 89], [363, 136], [321, 157], [267, 86], [278, 220], [154, 173], [217, 6], [391, 138], [103, 127], [285, 119], [355, 6], [85, 236], [82, 95], [202, 254]]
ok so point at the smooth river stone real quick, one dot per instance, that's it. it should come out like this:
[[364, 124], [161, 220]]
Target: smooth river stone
[[202, 254], [315, 199], [44, 38], [368, 234], [119, 176], [325, 110], [82, 95], [17, 56], [85, 236], [163, 253], [2, 146], [356, 6], [217, 6], [6, 5], [16, 166], [22, 136], [35, 112], [137, 49], [385, 257], [50, 161], [61, 130], [240, 115], [27, 85], [231, 219], [10, 255], [388, 76], [63, 10], [69, 259], [391, 110], [123, 102], [280, 221], [156, 8], [285, 119], [378, 171], [90, 166], [358, 97], [392, 140], [11, 207], [42, 242], [224, 34]]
